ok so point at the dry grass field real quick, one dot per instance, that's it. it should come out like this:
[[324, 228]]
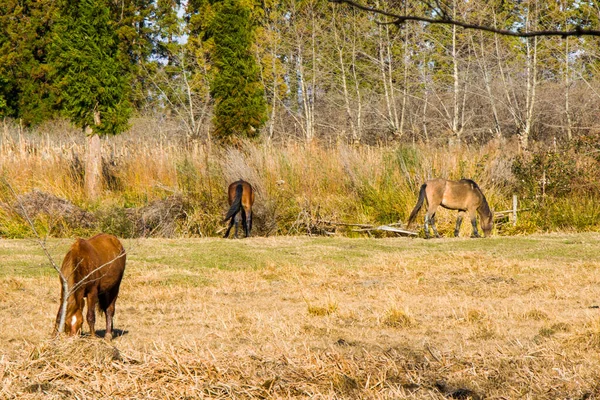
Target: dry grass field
[[298, 317]]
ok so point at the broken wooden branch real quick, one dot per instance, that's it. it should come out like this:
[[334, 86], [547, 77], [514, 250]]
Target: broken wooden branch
[[386, 228]]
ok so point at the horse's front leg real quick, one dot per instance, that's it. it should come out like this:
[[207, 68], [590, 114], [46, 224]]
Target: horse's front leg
[[474, 224], [92, 299], [459, 220]]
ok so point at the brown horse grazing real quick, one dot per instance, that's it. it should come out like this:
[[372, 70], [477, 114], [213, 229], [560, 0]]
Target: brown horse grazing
[[94, 268], [241, 198], [464, 196]]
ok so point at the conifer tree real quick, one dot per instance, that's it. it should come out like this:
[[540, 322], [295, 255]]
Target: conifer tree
[[25, 88], [240, 107], [91, 78]]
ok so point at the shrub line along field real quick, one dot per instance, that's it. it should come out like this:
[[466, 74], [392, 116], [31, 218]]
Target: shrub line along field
[[299, 317]]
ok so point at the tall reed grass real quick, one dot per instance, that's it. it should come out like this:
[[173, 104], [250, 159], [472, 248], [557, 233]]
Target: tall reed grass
[[298, 185]]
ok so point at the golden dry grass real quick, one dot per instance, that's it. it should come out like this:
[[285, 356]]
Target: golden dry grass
[[284, 317], [334, 183]]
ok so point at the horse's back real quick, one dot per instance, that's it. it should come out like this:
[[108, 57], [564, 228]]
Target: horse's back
[[108, 246], [111, 256], [456, 195], [247, 192], [103, 253]]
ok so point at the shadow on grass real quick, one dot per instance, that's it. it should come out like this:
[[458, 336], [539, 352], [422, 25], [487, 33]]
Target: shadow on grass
[[115, 333]]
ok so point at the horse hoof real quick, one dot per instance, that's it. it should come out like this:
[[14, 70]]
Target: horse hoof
[[108, 337]]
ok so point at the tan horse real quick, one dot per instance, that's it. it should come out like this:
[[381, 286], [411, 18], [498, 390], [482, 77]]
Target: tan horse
[[241, 199], [464, 196], [94, 269]]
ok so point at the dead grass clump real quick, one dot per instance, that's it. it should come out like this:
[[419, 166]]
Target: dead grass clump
[[535, 314], [397, 318], [548, 331], [321, 311], [589, 336], [78, 350], [38, 204], [344, 384], [159, 218], [474, 315], [55, 367], [484, 331]]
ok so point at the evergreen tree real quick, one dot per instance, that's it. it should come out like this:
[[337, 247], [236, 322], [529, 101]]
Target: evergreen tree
[[240, 107], [135, 23], [25, 33], [91, 77]]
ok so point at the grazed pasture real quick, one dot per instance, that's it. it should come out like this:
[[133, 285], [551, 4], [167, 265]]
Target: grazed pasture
[[297, 317]]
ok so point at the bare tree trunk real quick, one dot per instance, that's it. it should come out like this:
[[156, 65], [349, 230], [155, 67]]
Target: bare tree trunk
[[488, 87], [458, 108], [307, 89], [345, 90], [424, 116], [340, 50], [567, 84], [307, 107], [386, 57], [405, 81], [275, 96], [525, 132], [456, 87], [358, 96], [93, 163]]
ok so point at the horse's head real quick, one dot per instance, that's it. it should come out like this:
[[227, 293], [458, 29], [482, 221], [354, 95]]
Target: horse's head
[[73, 322], [487, 223]]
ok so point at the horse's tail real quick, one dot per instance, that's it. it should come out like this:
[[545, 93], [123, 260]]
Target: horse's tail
[[418, 206], [236, 205]]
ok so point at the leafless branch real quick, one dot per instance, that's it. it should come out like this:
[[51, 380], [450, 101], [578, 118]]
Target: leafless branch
[[447, 20], [85, 280], [63, 279]]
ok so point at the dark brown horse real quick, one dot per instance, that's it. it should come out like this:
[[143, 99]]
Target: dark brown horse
[[241, 198], [464, 196], [94, 269]]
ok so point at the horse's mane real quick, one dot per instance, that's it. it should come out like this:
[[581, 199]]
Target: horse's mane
[[484, 207], [471, 182]]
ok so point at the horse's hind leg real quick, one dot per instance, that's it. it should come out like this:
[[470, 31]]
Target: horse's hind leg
[[430, 220], [245, 222], [426, 226], [110, 313], [237, 224], [249, 222], [229, 228], [473, 217], [435, 231], [459, 220]]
